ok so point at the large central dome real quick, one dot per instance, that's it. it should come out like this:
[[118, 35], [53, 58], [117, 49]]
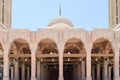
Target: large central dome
[[60, 19]]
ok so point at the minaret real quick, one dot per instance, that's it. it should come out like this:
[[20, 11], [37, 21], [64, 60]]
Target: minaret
[[5, 13], [114, 13]]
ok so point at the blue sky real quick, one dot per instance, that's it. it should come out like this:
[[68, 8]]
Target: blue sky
[[34, 14]]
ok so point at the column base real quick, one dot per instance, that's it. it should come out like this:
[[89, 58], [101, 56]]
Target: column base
[[33, 78], [60, 78], [5, 78], [88, 78]]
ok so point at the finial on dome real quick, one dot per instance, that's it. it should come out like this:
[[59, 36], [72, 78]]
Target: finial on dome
[[60, 10]]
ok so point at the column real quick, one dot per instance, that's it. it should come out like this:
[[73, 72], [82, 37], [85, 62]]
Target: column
[[110, 72], [83, 70], [116, 63], [6, 65], [93, 72], [11, 72], [41, 72], [60, 63], [79, 71], [28, 73], [33, 64], [105, 70], [23, 71], [16, 68], [98, 71], [76, 72], [88, 64], [38, 70]]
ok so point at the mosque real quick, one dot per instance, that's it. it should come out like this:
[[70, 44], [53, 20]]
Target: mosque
[[59, 51]]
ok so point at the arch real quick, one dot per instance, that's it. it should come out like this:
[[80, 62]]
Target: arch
[[47, 45], [101, 44], [102, 55], [19, 59], [18, 44], [74, 45]]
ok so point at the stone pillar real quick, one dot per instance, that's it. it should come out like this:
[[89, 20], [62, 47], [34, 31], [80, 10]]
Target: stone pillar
[[11, 73], [44, 73], [79, 72], [38, 70], [60, 64], [110, 68], [28, 73], [98, 71], [41, 72], [83, 70], [116, 63], [16, 68], [76, 71], [105, 70], [33, 64], [23, 71], [93, 72], [88, 64], [6, 65]]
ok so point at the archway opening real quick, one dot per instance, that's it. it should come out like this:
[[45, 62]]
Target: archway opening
[[20, 60], [47, 60], [102, 60], [74, 60]]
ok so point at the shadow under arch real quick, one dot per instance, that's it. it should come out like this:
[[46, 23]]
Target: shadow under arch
[[47, 59], [102, 56], [74, 57], [20, 60], [74, 45], [46, 46]]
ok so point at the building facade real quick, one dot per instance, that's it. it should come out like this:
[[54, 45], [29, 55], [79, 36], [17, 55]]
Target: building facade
[[59, 51]]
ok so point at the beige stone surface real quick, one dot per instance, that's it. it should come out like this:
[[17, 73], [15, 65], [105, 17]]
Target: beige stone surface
[[59, 35]]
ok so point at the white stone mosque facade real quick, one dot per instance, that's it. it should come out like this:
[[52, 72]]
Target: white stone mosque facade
[[60, 51]]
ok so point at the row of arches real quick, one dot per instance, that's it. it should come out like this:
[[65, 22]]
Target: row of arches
[[47, 45], [74, 58]]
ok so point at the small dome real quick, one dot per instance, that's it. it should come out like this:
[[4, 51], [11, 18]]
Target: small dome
[[60, 19]]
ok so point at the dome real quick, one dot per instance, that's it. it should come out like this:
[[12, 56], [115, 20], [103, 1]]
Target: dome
[[60, 19]]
